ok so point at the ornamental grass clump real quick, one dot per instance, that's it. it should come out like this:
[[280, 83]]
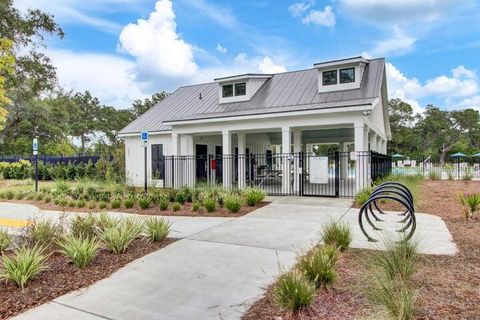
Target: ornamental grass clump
[[253, 196], [210, 204], [129, 203], [80, 250], [43, 233], [337, 235], [157, 229], [363, 196], [293, 291], [398, 261], [116, 203], [163, 203], [145, 203], [232, 202], [176, 206], [117, 239], [104, 221], [24, 264], [102, 205], [470, 204], [196, 206], [83, 226], [5, 240], [319, 266]]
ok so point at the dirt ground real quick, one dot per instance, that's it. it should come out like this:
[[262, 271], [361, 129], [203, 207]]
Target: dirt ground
[[448, 287], [62, 277]]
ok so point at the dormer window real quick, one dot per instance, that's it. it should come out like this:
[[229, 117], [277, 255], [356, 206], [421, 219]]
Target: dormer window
[[329, 77], [227, 90], [347, 75], [240, 89]]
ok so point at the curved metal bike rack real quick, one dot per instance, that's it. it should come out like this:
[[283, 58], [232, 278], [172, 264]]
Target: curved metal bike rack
[[388, 191]]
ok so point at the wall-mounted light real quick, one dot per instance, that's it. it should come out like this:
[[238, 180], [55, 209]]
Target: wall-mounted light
[[367, 112]]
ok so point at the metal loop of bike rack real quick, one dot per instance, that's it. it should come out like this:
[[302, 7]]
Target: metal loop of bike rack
[[388, 191]]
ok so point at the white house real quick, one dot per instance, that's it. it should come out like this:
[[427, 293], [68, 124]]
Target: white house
[[265, 129]]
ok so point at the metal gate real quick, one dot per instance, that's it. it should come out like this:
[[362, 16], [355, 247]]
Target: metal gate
[[320, 175]]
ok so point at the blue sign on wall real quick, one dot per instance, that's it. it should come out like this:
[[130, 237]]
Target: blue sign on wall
[[144, 135]]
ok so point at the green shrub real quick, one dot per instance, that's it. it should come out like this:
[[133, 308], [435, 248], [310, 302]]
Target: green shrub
[[39, 197], [43, 233], [196, 206], [253, 196], [24, 264], [3, 195], [176, 206], [47, 199], [129, 203], [319, 266], [72, 203], [5, 240], [81, 203], [180, 198], [117, 239], [80, 250], [210, 204], [337, 235], [163, 203], [10, 194], [293, 291], [62, 187], [145, 203], [157, 229], [172, 194], [187, 194], [83, 226], [102, 205], [92, 205], [362, 196], [232, 202], [116, 204]]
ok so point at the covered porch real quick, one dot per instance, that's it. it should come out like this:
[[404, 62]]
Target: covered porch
[[317, 160]]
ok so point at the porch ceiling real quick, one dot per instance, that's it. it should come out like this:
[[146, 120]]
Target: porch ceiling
[[325, 135]]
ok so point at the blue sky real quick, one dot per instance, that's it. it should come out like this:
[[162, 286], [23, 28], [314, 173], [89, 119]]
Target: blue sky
[[121, 50]]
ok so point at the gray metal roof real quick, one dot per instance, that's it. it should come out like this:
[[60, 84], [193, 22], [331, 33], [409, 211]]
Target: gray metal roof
[[283, 92]]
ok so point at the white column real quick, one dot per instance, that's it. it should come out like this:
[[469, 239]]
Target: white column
[[379, 144], [297, 148], [286, 145], [361, 163], [343, 160], [227, 161], [175, 163], [241, 137], [384, 146], [373, 141], [188, 162]]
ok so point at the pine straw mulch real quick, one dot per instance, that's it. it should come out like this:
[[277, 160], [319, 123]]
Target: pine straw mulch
[[344, 300], [186, 210], [448, 287], [62, 277]]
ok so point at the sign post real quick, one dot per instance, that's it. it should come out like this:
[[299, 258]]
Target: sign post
[[35, 154], [144, 137]]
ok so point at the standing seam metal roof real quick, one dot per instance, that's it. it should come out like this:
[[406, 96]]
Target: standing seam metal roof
[[283, 92]]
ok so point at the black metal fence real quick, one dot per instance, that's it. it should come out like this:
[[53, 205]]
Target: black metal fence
[[53, 159], [338, 174]]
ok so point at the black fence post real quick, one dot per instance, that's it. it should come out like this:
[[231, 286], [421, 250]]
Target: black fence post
[[337, 174]]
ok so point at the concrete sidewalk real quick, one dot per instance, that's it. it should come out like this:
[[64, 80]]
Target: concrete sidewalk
[[221, 265]]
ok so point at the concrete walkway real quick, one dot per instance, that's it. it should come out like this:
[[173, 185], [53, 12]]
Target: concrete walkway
[[221, 265]]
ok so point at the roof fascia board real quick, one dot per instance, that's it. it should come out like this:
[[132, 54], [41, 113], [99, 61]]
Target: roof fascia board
[[152, 133]]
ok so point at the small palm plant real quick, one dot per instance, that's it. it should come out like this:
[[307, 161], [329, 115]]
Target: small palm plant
[[470, 203]]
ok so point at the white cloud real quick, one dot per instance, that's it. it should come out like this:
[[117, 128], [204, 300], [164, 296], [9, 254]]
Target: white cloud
[[106, 76], [222, 15], [298, 8], [324, 18], [397, 11], [268, 66], [157, 47], [459, 89], [399, 42], [221, 48]]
